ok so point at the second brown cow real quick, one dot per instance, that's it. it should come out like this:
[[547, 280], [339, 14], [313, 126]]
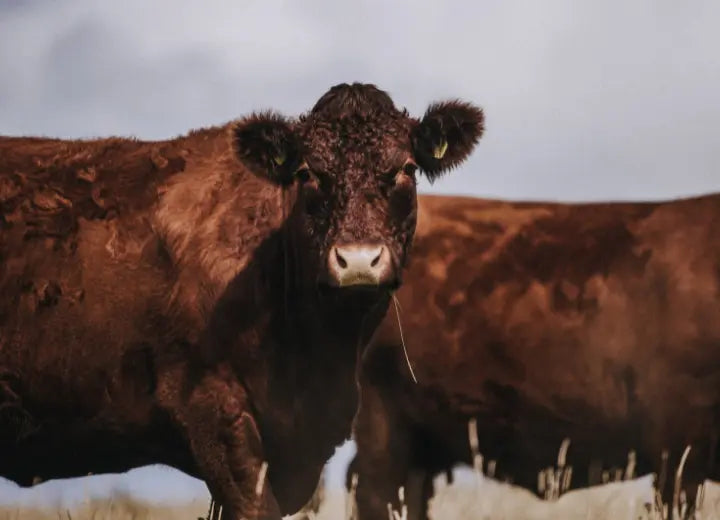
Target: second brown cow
[[594, 322]]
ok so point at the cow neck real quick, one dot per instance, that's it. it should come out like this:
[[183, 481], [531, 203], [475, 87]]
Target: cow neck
[[273, 309], [309, 317]]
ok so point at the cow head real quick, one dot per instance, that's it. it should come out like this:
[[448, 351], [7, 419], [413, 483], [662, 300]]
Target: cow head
[[353, 160]]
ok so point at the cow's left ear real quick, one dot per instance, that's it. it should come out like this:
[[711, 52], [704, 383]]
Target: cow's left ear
[[267, 145], [446, 135]]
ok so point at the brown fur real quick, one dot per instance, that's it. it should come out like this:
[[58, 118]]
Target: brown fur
[[596, 322], [169, 302]]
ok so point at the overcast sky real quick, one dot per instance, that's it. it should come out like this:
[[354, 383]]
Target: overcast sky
[[584, 100]]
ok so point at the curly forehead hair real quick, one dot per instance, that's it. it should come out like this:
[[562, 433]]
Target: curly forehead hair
[[355, 113], [357, 99]]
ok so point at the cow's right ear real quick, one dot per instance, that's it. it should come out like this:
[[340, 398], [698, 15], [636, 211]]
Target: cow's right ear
[[267, 145]]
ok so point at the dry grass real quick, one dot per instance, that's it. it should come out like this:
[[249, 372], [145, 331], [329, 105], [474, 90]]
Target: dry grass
[[118, 508], [477, 496], [622, 496], [483, 498]]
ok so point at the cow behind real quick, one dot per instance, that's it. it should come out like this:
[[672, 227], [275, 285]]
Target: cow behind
[[595, 322], [201, 302]]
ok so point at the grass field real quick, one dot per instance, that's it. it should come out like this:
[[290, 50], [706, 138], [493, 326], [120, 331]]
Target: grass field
[[473, 496], [476, 498]]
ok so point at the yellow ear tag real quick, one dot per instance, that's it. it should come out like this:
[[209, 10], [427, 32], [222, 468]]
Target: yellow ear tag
[[279, 159], [439, 151]]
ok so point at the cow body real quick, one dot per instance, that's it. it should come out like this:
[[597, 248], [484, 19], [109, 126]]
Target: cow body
[[592, 322], [202, 302], [106, 362]]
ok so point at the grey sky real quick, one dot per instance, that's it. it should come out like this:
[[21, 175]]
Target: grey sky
[[584, 100]]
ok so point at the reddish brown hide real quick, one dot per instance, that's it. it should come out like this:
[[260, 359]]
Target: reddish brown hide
[[595, 322], [202, 301]]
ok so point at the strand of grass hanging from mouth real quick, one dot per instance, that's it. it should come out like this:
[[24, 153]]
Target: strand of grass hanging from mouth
[[402, 338]]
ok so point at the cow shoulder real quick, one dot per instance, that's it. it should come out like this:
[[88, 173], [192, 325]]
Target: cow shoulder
[[211, 218]]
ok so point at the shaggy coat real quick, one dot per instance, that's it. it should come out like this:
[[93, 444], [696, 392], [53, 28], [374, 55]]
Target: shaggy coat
[[599, 323], [201, 302]]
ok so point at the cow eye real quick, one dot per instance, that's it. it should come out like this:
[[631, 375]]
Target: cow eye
[[303, 174]]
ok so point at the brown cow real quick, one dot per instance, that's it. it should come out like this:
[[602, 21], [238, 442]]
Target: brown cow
[[202, 302], [595, 322]]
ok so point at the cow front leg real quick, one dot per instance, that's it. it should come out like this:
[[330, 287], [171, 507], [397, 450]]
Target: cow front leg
[[382, 462], [226, 444]]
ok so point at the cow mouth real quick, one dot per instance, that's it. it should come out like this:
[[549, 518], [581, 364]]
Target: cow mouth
[[361, 293]]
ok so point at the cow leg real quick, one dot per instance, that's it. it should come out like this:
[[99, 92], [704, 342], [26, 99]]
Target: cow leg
[[234, 473], [383, 456], [418, 492], [379, 482], [225, 442]]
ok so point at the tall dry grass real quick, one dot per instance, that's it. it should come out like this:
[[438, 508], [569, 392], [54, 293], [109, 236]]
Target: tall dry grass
[[483, 499], [488, 499], [622, 496], [116, 508]]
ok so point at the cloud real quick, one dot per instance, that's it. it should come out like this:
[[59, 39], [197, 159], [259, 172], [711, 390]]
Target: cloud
[[583, 100]]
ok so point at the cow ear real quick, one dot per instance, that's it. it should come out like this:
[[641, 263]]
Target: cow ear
[[267, 145], [446, 135]]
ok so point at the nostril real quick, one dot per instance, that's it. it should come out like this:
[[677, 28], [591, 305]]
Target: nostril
[[376, 260], [340, 260]]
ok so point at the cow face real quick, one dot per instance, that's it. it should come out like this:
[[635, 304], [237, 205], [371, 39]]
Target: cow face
[[353, 160]]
